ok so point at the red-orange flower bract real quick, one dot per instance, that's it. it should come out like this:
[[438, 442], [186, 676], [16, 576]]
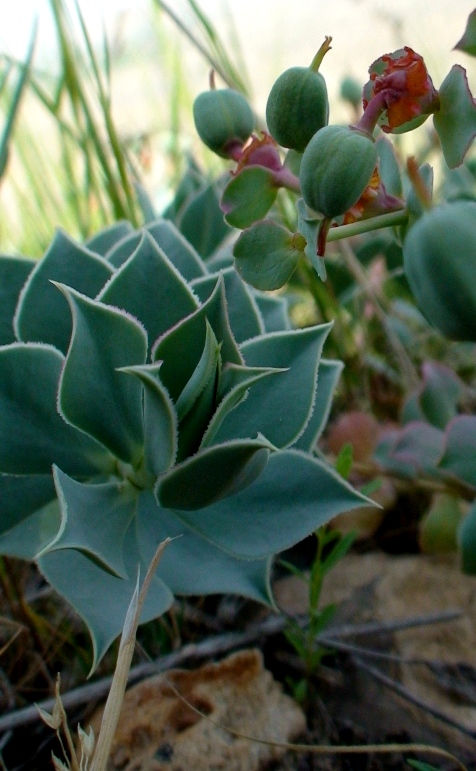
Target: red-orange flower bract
[[402, 82]]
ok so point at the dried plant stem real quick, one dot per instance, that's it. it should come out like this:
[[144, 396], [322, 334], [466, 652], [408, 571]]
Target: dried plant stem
[[115, 698], [212, 647]]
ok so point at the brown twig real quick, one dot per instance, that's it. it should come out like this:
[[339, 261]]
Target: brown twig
[[397, 687], [211, 647]]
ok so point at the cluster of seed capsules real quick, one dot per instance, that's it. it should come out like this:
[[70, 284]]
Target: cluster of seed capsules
[[338, 167]]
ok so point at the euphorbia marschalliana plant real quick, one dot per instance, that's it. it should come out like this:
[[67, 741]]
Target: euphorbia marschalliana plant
[[145, 396], [350, 183]]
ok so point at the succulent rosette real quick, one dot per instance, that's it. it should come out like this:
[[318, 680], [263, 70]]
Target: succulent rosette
[[145, 396]]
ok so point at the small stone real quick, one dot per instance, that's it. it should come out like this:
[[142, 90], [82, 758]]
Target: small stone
[[158, 731]]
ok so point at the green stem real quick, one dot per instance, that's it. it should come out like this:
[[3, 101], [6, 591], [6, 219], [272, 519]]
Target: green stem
[[317, 61], [366, 226]]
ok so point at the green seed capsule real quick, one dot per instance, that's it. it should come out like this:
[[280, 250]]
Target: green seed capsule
[[297, 107], [440, 264], [222, 118], [336, 167]]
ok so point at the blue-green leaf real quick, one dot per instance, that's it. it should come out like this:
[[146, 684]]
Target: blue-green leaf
[[179, 251], [124, 249], [26, 539], [437, 397], [468, 41], [201, 221], [42, 314], [180, 348], [309, 229], [213, 473], [101, 599], [266, 255], [33, 435], [243, 312], [234, 383], [265, 410], [14, 271], [328, 375], [102, 242], [21, 496], [293, 496], [202, 374], [160, 420], [149, 287], [193, 565], [21, 531], [455, 121], [93, 395], [274, 312], [94, 520], [459, 453], [248, 196]]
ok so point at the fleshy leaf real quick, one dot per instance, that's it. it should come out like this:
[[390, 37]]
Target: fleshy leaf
[[213, 473], [204, 371], [309, 227], [193, 565], [298, 351], [102, 242], [201, 221], [110, 505], [437, 397], [418, 445], [26, 539], [181, 347], [293, 496], [149, 287], [93, 395], [235, 381], [101, 599], [243, 312], [459, 455], [21, 496], [266, 255], [249, 196], [455, 121], [124, 249], [33, 435], [14, 271], [274, 312], [327, 377], [389, 169], [160, 420], [42, 314], [468, 41], [195, 422], [180, 253]]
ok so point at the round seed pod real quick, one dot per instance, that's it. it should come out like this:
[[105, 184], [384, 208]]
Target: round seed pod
[[222, 118], [439, 254], [297, 107], [336, 167]]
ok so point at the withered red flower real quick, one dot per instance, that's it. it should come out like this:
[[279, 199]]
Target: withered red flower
[[403, 90], [260, 152], [373, 201]]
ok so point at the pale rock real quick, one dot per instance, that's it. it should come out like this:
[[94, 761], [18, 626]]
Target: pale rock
[[158, 731]]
